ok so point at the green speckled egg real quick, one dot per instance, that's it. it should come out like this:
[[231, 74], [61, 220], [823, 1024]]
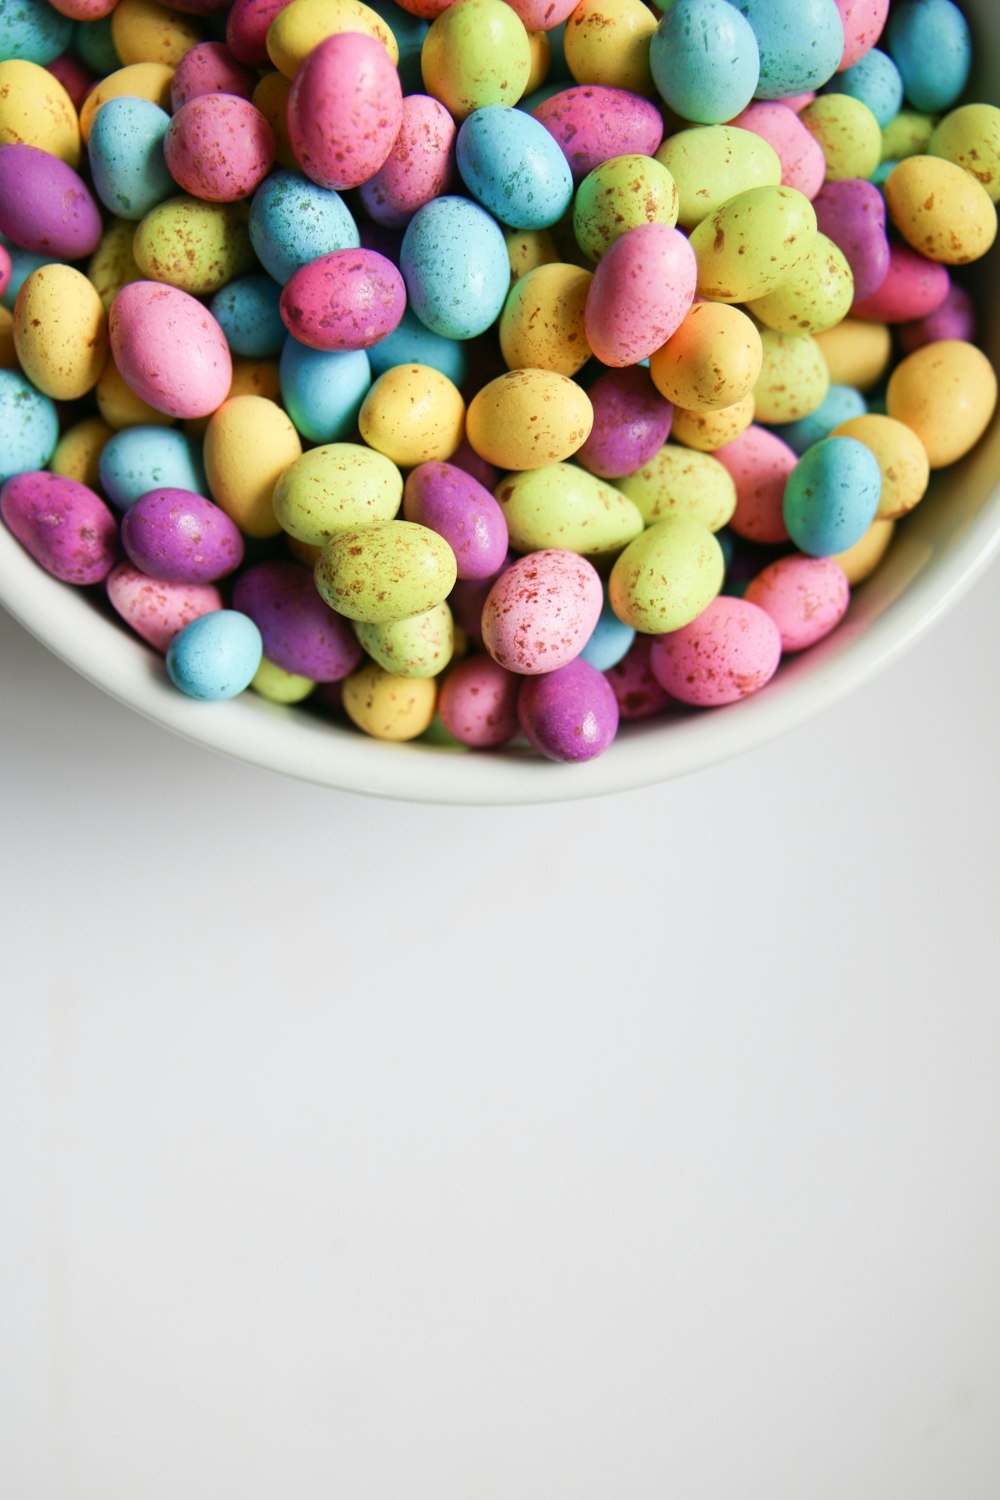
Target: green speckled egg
[[970, 137], [563, 506], [476, 53], [794, 377], [619, 194], [112, 264], [712, 163], [815, 297], [194, 245], [385, 572], [666, 577], [909, 134], [682, 482], [848, 132], [335, 488], [749, 245], [278, 686], [421, 646]]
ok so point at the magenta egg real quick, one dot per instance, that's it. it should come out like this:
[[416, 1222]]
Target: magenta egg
[[592, 123], [954, 319], [449, 501], [541, 611], [209, 68], [345, 108], [570, 714], [478, 703], [631, 422], [852, 214], [219, 147], [5, 269], [759, 463], [730, 651], [806, 597], [419, 167], [63, 524], [179, 536], [301, 633], [156, 609], [169, 349], [247, 25], [44, 206], [642, 288], [349, 299], [913, 287]]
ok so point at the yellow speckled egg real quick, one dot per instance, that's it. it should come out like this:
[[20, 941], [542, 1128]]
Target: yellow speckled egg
[[607, 43], [78, 451], [970, 137], [120, 406], [271, 98], [747, 247], [901, 457], [527, 249], [413, 415], [60, 332], [8, 354], [542, 323], [144, 31], [856, 352], [947, 393], [708, 430], [249, 444], [387, 571], [711, 361], [112, 264], [619, 194], [476, 53], [564, 506], [816, 296], [420, 646], [336, 487], [939, 209], [860, 561], [712, 163], [848, 132], [541, 58], [389, 707], [278, 686], [301, 26], [682, 482], [194, 245], [145, 80], [793, 378], [528, 418], [35, 110], [908, 134]]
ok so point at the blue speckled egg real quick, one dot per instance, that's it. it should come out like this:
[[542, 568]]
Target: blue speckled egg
[[249, 314], [29, 426], [33, 30], [22, 263], [801, 43], [139, 459], [216, 656], [875, 81], [294, 221], [323, 390], [831, 496], [840, 404], [609, 640], [455, 265], [929, 42], [95, 44], [410, 343], [704, 60], [514, 167], [126, 156]]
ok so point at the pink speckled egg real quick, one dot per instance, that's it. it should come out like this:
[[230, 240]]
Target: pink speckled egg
[[863, 22], [759, 463], [349, 299], [44, 206], [541, 611], [219, 147], [65, 526], [730, 651], [592, 123], [954, 319], [345, 108], [638, 693], [169, 349], [155, 608], [913, 287], [247, 25], [803, 165], [806, 597], [419, 167], [542, 15], [642, 288], [478, 703], [209, 68]]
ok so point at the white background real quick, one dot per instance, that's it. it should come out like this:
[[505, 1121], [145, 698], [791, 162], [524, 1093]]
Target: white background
[[640, 1148]]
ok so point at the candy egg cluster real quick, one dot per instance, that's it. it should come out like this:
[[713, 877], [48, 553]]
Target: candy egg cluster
[[491, 368]]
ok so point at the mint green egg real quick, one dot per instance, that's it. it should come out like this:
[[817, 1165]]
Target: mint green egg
[[278, 686], [562, 505], [421, 646], [747, 247], [816, 296], [335, 488], [712, 163], [386, 571], [666, 577], [680, 481], [619, 195]]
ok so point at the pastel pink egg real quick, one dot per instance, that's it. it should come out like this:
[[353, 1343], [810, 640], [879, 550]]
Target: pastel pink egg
[[806, 597], [155, 609], [541, 611], [5, 269], [759, 463], [478, 703], [542, 15], [65, 526], [345, 108], [349, 299], [633, 684], [643, 286], [247, 25], [219, 147], [592, 123], [419, 167], [803, 165], [863, 22], [169, 349], [209, 68], [913, 287], [730, 651]]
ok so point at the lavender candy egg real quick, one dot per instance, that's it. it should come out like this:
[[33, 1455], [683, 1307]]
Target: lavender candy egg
[[592, 123], [301, 633], [181, 537], [449, 501], [631, 422], [570, 714], [63, 524], [169, 349], [44, 206], [347, 300], [852, 214]]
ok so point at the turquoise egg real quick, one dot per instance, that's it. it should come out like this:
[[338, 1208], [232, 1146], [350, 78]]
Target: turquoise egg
[[514, 167], [929, 42], [248, 310], [94, 43], [139, 459], [831, 496], [704, 60], [22, 263], [29, 426], [33, 30], [609, 640], [800, 42], [840, 404], [126, 156], [294, 221], [216, 656], [410, 343], [323, 391], [875, 81], [455, 265]]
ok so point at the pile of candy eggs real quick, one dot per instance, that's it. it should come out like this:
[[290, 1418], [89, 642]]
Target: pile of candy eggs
[[471, 379]]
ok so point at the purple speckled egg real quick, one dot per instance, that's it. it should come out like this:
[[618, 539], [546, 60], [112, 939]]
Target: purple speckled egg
[[592, 123], [349, 299], [181, 537], [631, 423], [730, 651], [478, 703], [156, 609], [300, 632], [419, 167], [954, 319], [643, 286], [345, 108], [806, 597], [852, 214], [468, 597], [465, 457], [912, 288], [456, 506], [541, 611], [637, 691], [219, 147], [44, 206], [209, 68], [65, 526], [169, 349], [570, 714]]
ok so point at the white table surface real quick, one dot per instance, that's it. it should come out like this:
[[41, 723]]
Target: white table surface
[[642, 1149]]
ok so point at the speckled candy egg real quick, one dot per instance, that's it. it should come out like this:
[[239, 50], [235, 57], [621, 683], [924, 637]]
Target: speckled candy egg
[[541, 611], [801, 43], [141, 458], [29, 423], [563, 506], [413, 415], [344, 110], [478, 703], [730, 651], [749, 245], [638, 694], [708, 430], [322, 392], [249, 444], [337, 487], [570, 714], [44, 206], [297, 29], [806, 597], [608, 41], [592, 123], [157, 610], [832, 496], [848, 133], [411, 343], [618, 195], [216, 656], [711, 163], [970, 137], [34, 31], [803, 165], [863, 22], [876, 82], [759, 463], [454, 262], [455, 505], [147, 80], [60, 332], [301, 633], [816, 296], [126, 156], [248, 312], [609, 640], [37, 110], [941, 210], [947, 394], [710, 361], [642, 288], [667, 576], [528, 418], [954, 319], [929, 42], [170, 350], [542, 325], [420, 646], [512, 166], [852, 215], [66, 527], [209, 68], [293, 221], [476, 53], [193, 245], [219, 147], [180, 536], [386, 706], [912, 287], [347, 300], [631, 423], [385, 571], [705, 60], [840, 404], [419, 167], [794, 377]]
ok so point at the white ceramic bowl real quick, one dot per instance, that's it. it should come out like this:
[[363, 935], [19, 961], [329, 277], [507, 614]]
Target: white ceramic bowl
[[936, 555]]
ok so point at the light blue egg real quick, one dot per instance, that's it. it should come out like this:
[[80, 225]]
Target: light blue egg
[[139, 459], [455, 265], [322, 392], [126, 156], [801, 43], [875, 81], [216, 656], [96, 47], [411, 343], [248, 310], [840, 404], [929, 42], [514, 167], [831, 496], [22, 263], [409, 32], [33, 30], [293, 221], [609, 640], [29, 426], [704, 60], [881, 173]]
